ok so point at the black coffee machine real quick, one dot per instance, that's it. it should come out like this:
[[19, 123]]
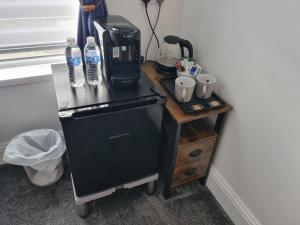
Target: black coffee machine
[[120, 44]]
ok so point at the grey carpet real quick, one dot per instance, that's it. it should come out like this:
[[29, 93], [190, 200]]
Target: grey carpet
[[22, 203]]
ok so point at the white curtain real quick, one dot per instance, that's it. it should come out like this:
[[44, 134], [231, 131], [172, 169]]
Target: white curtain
[[26, 23]]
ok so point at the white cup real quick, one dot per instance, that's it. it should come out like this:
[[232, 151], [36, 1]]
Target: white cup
[[205, 85], [184, 89]]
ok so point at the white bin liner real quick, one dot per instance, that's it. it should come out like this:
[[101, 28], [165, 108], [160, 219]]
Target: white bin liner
[[40, 150]]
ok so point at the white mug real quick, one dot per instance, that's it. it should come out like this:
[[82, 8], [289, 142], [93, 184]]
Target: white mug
[[184, 89], [205, 85]]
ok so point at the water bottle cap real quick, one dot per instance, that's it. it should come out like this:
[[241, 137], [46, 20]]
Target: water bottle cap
[[71, 40], [90, 40]]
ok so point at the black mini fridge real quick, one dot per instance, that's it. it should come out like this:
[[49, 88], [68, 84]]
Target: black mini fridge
[[112, 134]]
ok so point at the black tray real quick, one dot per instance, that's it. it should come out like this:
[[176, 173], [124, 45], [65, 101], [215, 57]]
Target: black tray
[[196, 105]]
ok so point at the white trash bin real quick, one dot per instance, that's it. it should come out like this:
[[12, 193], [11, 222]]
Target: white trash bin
[[40, 152]]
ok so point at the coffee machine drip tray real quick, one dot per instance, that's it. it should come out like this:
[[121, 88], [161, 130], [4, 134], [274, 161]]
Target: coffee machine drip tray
[[125, 78]]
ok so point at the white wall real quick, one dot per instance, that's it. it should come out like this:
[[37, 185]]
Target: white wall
[[253, 47], [134, 11], [25, 107]]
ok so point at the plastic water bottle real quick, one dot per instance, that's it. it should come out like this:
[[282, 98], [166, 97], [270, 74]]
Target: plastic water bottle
[[92, 62], [74, 61]]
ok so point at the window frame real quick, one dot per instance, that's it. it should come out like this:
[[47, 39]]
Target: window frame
[[54, 46]]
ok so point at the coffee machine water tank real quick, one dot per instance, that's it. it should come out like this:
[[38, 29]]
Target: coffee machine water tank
[[120, 43]]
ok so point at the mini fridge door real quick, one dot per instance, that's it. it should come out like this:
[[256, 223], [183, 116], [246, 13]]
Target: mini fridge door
[[112, 146]]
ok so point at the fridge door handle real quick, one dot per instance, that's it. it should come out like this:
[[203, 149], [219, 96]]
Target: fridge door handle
[[103, 109], [69, 114], [66, 114]]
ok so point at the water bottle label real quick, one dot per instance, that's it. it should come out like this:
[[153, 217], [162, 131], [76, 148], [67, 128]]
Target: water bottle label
[[92, 58], [74, 61], [116, 52]]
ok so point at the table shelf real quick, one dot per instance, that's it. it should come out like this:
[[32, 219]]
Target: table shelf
[[190, 140]]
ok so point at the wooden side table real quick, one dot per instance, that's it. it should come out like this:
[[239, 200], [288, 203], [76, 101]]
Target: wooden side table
[[190, 144]]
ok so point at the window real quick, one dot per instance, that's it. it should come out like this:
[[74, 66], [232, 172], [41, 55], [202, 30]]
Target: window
[[31, 28]]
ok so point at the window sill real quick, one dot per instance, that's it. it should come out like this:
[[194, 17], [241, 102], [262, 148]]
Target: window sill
[[14, 72]]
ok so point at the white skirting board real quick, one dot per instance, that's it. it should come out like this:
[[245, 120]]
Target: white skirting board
[[2, 148], [229, 200]]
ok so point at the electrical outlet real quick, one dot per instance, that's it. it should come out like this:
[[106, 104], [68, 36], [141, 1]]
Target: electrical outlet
[[153, 2], [143, 2], [160, 2], [146, 1]]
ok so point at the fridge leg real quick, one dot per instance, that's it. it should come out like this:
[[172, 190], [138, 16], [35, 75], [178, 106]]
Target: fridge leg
[[150, 188], [82, 210]]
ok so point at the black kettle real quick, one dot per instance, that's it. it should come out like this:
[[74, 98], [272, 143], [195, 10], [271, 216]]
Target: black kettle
[[172, 50]]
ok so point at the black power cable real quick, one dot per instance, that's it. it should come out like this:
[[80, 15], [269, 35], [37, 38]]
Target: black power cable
[[146, 1], [152, 29], [153, 32]]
